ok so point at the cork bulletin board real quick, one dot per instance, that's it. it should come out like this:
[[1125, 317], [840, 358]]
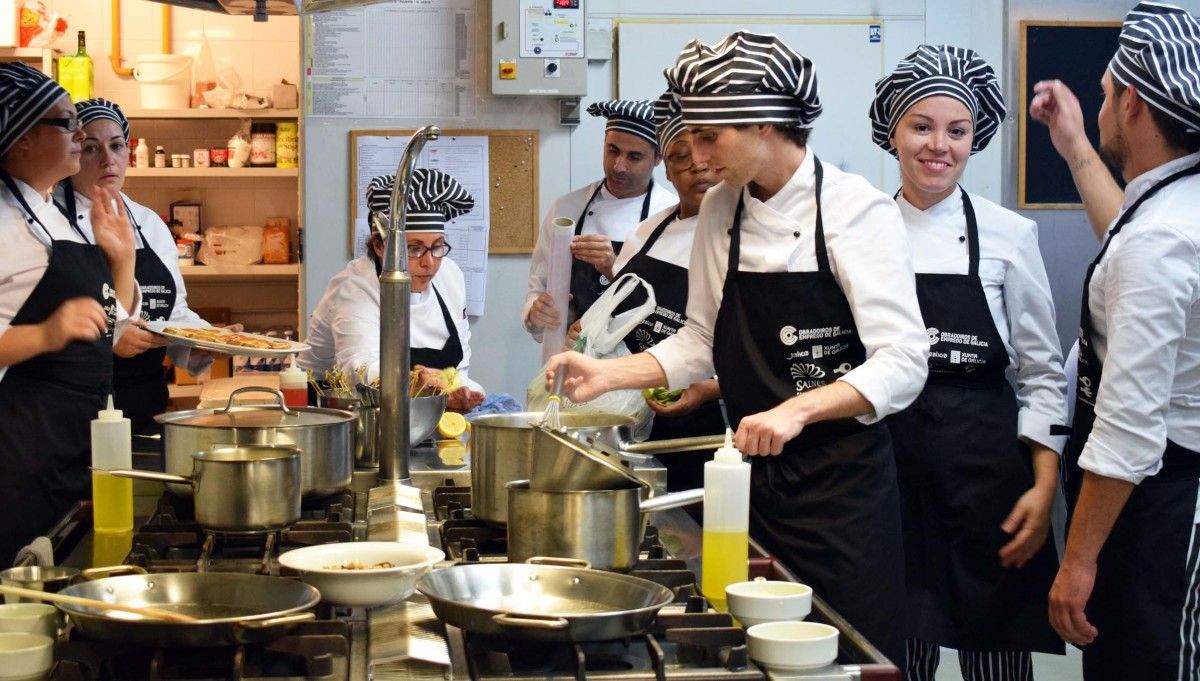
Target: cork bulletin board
[[512, 183]]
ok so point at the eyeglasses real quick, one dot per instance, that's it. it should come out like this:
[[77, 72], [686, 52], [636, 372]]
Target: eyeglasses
[[437, 250], [70, 124], [680, 162]]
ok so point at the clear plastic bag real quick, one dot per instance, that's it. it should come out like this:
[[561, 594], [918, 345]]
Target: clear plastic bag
[[602, 335], [204, 77]]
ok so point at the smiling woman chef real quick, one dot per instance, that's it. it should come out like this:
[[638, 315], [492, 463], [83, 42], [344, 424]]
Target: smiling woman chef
[[344, 331], [63, 297]]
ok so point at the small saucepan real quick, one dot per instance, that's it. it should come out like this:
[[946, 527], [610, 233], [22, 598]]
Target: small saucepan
[[602, 527], [244, 489]]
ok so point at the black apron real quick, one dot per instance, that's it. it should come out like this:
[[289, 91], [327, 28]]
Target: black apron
[[1142, 570], [961, 468], [670, 282], [828, 507], [48, 401], [586, 281], [451, 352]]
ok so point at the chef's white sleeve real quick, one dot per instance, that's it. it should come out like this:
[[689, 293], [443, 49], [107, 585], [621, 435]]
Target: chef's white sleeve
[[355, 328], [539, 267]]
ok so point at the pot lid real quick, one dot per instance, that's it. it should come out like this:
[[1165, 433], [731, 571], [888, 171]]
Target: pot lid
[[562, 463], [266, 416]]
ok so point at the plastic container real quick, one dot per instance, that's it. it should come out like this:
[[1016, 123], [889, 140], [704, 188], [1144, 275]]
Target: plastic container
[[143, 153], [165, 80], [287, 144], [293, 383], [725, 551], [112, 497]]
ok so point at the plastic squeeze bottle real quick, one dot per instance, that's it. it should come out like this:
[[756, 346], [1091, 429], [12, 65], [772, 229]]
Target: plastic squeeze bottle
[[293, 383], [112, 497], [143, 153], [726, 547]]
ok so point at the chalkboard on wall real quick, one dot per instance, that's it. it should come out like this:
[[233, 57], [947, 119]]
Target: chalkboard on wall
[[1077, 53]]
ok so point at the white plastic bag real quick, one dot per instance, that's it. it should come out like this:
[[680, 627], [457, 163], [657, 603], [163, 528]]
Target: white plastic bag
[[232, 246], [602, 335]]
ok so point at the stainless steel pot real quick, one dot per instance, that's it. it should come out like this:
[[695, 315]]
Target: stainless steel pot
[[423, 416], [602, 527], [231, 609], [502, 450], [544, 602], [252, 488], [325, 438]]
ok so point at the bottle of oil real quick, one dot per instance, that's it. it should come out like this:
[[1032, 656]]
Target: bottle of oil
[[76, 73], [725, 552], [112, 497]]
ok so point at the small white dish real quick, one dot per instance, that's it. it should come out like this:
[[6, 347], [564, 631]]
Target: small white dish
[[29, 618], [761, 601], [792, 646], [25, 656], [362, 586]]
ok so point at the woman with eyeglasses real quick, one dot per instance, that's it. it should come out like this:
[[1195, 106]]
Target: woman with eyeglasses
[[63, 300], [344, 331], [139, 377]]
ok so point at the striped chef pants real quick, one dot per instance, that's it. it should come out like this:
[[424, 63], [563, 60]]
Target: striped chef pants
[[1004, 665]]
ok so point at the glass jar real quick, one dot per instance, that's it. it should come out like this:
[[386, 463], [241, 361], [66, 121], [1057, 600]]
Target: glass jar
[[262, 145]]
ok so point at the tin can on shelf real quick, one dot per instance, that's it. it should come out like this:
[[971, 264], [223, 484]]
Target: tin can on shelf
[[287, 145]]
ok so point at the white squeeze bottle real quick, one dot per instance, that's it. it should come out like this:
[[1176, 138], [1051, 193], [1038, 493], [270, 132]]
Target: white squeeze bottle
[[112, 497], [143, 153], [725, 553]]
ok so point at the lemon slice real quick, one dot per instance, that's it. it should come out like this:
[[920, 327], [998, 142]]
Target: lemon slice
[[452, 452], [452, 424]]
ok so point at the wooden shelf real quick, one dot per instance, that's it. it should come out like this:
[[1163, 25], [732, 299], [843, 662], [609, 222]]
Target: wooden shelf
[[219, 272], [213, 172], [210, 113], [43, 57]]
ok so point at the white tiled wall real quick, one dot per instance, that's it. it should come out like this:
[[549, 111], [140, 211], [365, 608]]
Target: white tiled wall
[[261, 53]]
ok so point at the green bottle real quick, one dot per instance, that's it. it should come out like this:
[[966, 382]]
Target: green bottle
[[76, 73]]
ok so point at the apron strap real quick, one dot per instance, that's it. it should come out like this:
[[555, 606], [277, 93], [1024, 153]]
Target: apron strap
[[70, 210], [136, 227], [972, 234], [25, 208], [658, 231], [451, 327], [583, 213], [819, 239], [646, 201]]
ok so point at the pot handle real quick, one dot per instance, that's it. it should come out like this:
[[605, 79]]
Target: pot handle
[[111, 571], [672, 500], [277, 621], [560, 562], [148, 475], [260, 389], [681, 444], [505, 619]]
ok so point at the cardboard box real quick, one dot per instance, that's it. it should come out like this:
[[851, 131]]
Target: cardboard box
[[188, 214], [285, 96]]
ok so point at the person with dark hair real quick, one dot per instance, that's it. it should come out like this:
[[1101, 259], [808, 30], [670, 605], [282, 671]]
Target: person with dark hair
[[977, 464], [801, 301], [344, 330], [1128, 586], [63, 300]]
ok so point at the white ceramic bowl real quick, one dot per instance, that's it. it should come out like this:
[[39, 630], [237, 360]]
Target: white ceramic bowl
[[29, 618], [790, 646], [322, 567], [25, 656], [762, 601]]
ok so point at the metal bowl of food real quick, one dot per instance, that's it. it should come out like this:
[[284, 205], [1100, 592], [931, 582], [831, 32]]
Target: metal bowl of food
[[423, 416], [362, 574]]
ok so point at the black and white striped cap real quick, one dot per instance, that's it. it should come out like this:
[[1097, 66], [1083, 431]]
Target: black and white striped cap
[[433, 198], [25, 94], [96, 109], [747, 78], [635, 117], [932, 70], [668, 119], [1159, 54]]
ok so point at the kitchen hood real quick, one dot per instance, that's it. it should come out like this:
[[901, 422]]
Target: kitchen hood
[[262, 8]]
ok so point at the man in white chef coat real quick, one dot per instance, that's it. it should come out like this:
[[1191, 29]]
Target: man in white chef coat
[[605, 213], [1128, 590]]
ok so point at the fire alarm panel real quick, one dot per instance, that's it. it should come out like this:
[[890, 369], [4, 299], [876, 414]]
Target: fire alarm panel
[[539, 47]]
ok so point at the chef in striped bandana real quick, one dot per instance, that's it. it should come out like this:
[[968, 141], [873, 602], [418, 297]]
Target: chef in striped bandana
[[1128, 590], [605, 213], [801, 297], [344, 329], [977, 464]]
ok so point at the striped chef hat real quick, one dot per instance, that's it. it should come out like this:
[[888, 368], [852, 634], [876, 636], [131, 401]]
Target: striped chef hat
[[1159, 54], [433, 198], [90, 110], [747, 78], [934, 70], [668, 120], [25, 94], [635, 117]]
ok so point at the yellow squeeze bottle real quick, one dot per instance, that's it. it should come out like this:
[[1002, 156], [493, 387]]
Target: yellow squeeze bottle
[[112, 497], [725, 552]]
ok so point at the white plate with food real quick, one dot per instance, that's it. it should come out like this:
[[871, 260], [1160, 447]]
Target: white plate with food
[[364, 574], [212, 338]]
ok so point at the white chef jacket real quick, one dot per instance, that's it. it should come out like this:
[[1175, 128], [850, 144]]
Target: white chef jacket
[[26, 254], [157, 236], [674, 245], [344, 329], [608, 215], [1018, 297], [1144, 298], [868, 253]]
